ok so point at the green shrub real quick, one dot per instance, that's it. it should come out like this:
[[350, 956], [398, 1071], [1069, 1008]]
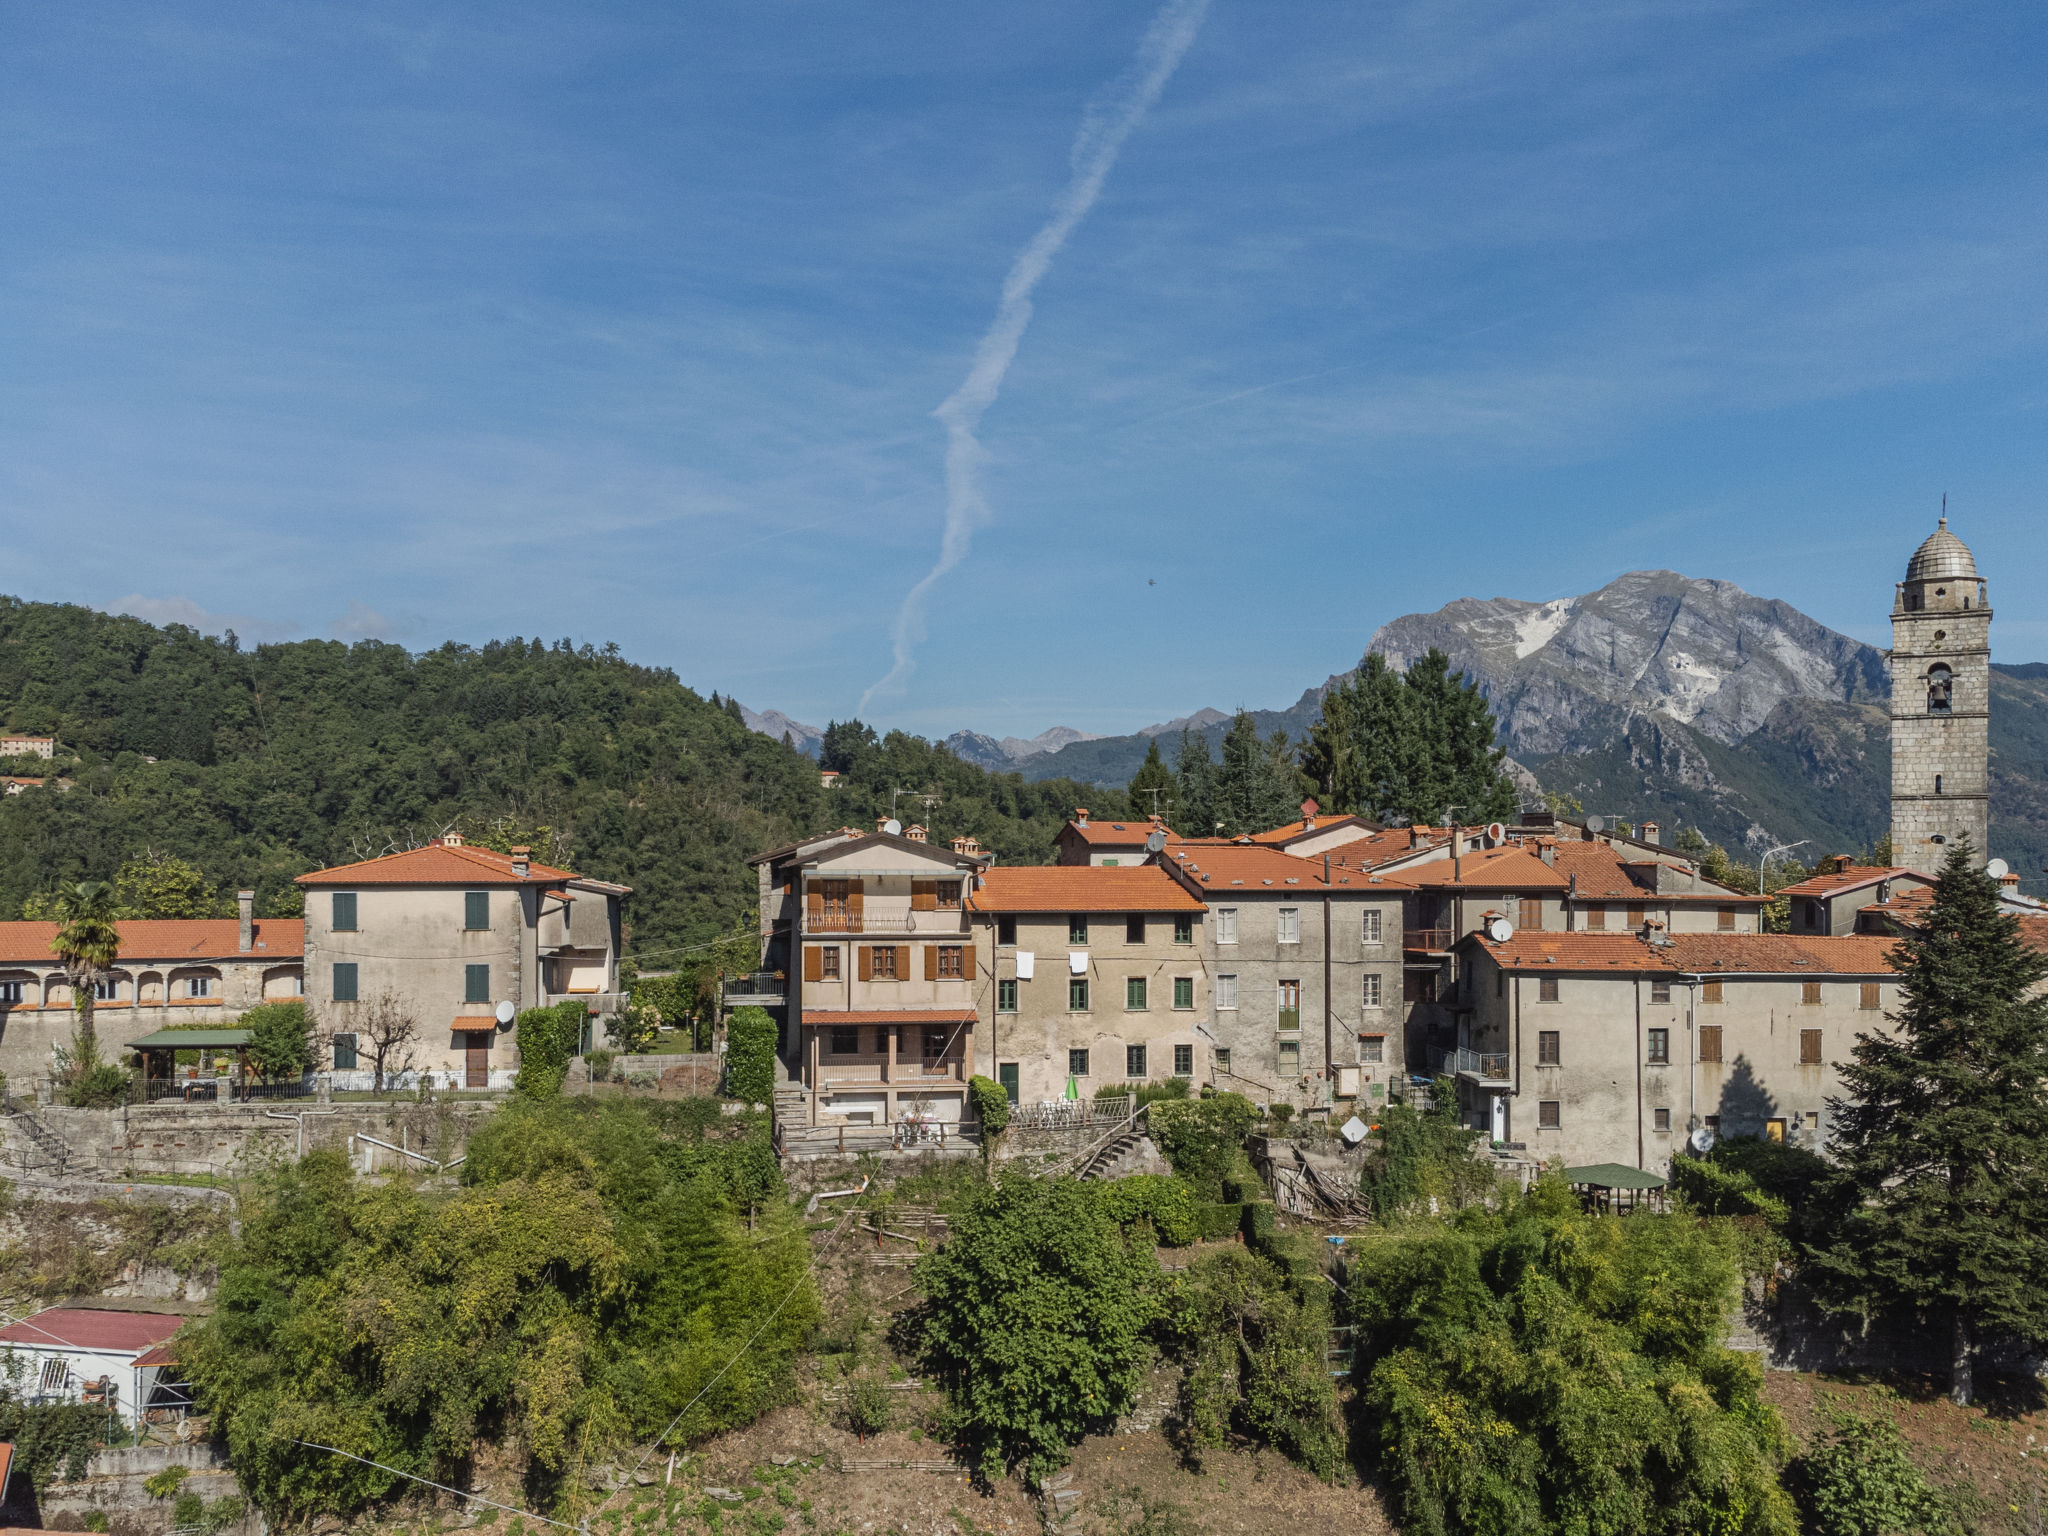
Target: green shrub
[[1216, 1222], [750, 1042], [1860, 1481], [991, 1101], [1258, 1226], [548, 1039], [161, 1485], [280, 1039], [1114, 1091], [1204, 1138], [1168, 1203], [600, 1064], [867, 1408], [1424, 1155], [1166, 1091]]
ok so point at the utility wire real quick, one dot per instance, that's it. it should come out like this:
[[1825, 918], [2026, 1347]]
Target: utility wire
[[414, 1476]]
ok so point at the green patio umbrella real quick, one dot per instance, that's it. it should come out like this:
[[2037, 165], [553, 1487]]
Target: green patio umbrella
[[1073, 1090]]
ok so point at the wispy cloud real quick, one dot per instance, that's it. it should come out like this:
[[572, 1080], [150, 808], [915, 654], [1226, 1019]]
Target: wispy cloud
[[183, 610], [1108, 122]]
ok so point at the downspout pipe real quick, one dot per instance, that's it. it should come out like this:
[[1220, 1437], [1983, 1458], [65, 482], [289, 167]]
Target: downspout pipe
[[1639, 1071], [1329, 1012]]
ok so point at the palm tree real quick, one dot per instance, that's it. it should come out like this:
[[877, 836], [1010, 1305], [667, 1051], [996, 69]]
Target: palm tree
[[86, 943]]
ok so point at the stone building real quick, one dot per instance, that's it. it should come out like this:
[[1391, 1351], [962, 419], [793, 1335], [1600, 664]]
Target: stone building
[[462, 939], [1941, 703], [1832, 899], [1095, 976], [1613, 1047]]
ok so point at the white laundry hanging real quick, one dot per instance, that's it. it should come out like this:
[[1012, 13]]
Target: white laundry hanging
[[1077, 961], [1027, 963]]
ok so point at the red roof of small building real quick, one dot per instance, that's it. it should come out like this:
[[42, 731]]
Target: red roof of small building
[[1307, 828], [1484, 869], [1603, 876], [167, 939], [80, 1328], [438, 864], [1082, 888], [1692, 953], [1251, 868], [1118, 834], [823, 1016], [1848, 879]]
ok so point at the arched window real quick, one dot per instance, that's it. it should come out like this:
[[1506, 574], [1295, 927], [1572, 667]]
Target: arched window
[[1939, 685]]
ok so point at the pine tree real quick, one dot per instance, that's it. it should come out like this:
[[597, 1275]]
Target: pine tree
[[1195, 777], [1153, 774], [1943, 1140], [1256, 787], [1413, 745], [1459, 771]]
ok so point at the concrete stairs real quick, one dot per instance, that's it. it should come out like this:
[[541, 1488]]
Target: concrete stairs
[[34, 1147]]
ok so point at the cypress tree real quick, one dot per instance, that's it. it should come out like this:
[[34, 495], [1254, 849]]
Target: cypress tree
[[1943, 1140], [1154, 774], [1256, 788], [1195, 774]]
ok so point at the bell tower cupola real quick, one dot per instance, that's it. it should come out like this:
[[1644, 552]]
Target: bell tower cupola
[[1941, 703]]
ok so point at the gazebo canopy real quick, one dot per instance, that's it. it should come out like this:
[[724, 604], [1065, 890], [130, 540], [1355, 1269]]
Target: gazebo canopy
[[191, 1040], [1612, 1176]]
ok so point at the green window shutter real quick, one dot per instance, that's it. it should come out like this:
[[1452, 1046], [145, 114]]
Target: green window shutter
[[1183, 991], [1134, 1061], [344, 1053], [344, 981], [1134, 992], [344, 917], [476, 983], [1183, 930], [476, 909], [1006, 997], [1077, 995]]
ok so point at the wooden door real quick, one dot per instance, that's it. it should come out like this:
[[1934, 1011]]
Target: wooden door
[[477, 1068]]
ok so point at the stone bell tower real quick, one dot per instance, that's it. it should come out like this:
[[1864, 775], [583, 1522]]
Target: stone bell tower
[[1941, 704]]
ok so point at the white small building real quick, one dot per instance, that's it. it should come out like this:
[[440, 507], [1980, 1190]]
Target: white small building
[[114, 1360]]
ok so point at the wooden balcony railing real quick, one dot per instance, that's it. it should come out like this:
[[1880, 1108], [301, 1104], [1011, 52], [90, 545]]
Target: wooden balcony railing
[[1430, 940]]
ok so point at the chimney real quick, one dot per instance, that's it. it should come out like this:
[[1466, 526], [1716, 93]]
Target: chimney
[[2008, 884], [1844, 863], [915, 833], [521, 861], [1651, 832], [881, 823], [1080, 815], [960, 844], [245, 906], [1308, 814], [451, 839], [1546, 849]]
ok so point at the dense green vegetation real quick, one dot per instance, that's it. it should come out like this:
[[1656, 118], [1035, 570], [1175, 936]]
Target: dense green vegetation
[[583, 1291], [285, 758], [1417, 745]]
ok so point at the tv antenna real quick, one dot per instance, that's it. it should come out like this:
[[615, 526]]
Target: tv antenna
[[1155, 792]]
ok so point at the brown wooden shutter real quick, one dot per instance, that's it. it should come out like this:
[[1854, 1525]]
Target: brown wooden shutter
[[1710, 992], [1809, 1047], [867, 962], [1809, 992], [924, 895], [903, 962], [814, 906], [814, 963], [855, 895], [1710, 1042], [1870, 999], [931, 962]]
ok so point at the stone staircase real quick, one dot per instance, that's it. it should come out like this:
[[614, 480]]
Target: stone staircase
[[32, 1146]]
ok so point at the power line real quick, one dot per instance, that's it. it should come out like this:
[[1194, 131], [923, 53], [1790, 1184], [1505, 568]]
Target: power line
[[314, 1445]]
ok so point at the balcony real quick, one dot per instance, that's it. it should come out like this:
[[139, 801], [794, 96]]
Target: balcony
[[1432, 941], [1489, 1069], [937, 924], [757, 989]]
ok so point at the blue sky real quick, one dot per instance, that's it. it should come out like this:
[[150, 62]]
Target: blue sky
[[629, 323]]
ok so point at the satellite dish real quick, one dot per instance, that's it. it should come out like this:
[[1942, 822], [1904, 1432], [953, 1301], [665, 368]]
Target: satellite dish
[[1156, 843], [1596, 824], [1496, 833], [1997, 869], [1500, 930], [893, 827], [1702, 1140], [505, 1013]]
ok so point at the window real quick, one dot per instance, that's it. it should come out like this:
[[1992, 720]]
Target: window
[[1710, 991], [344, 1053], [344, 981], [1183, 991], [1290, 1004], [1369, 989], [1077, 1063], [845, 1039], [1134, 1061], [10, 991], [1813, 1119], [1812, 910], [1134, 930], [1183, 1061], [1724, 919], [1006, 930], [343, 912], [1369, 926], [1547, 1048], [1226, 992], [199, 986], [1222, 1054], [1710, 1042], [1077, 930], [476, 983], [105, 990], [949, 895], [476, 909], [1596, 919], [1184, 929], [1712, 1122], [55, 1373], [828, 963], [1006, 997], [1226, 925], [935, 1042], [1660, 1120], [1077, 994], [1531, 910], [882, 962], [1111, 863], [1546, 989], [1372, 1049], [1546, 1115], [1809, 992], [952, 962], [1870, 997], [1809, 1047], [1940, 686], [1134, 993], [1659, 1051], [1660, 991], [1290, 925], [1290, 1058]]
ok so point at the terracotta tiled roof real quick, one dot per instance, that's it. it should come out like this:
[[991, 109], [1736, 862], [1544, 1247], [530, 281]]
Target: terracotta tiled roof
[[144, 939], [1322, 824], [1485, 869], [890, 1016], [1247, 868], [1394, 843], [2034, 933], [1082, 888], [437, 864], [84, 1329], [1849, 879], [1117, 834], [1603, 876], [1784, 954]]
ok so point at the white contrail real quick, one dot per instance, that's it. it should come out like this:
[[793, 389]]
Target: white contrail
[[1104, 127]]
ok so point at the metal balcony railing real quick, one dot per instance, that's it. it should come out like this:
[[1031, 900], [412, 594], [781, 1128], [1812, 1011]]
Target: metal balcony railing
[[940, 922], [1487, 1066], [1432, 940]]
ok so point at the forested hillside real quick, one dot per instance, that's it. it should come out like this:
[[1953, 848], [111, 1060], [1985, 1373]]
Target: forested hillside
[[284, 758]]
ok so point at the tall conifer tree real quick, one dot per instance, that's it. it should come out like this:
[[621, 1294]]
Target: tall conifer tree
[[1943, 1137], [1153, 774]]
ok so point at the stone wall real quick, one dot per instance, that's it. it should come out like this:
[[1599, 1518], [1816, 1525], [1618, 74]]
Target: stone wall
[[113, 1486]]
